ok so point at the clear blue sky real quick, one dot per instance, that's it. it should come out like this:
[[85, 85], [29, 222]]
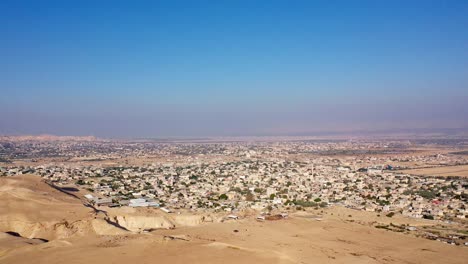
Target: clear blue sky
[[215, 68]]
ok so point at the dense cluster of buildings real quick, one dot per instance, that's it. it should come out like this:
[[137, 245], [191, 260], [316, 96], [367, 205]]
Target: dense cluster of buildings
[[262, 175], [267, 176], [263, 185]]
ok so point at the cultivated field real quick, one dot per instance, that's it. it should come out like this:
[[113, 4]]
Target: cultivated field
[[461, 170]]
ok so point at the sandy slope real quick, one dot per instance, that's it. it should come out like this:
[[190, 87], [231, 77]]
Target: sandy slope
[[291, 241], [33, 209], [299, 239]]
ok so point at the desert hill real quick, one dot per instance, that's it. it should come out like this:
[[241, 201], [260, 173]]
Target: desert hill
[[33, 209], [53, 227]]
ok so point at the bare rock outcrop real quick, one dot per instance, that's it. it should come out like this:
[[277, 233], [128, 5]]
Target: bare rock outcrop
[[138, 223]]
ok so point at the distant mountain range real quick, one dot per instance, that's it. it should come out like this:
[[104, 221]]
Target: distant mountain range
[[418, 133], [47, 138]]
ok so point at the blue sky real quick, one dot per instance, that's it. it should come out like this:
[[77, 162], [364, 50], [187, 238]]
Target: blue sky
[[220, 68]]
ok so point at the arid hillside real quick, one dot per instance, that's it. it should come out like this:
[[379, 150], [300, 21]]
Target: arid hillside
[[49, 226]]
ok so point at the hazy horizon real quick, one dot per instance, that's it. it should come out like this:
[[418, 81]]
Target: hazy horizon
[[180, 68]]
